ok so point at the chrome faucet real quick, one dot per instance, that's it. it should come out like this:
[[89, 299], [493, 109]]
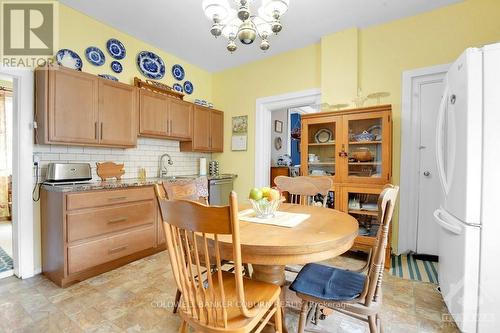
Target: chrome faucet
[[162, 168]]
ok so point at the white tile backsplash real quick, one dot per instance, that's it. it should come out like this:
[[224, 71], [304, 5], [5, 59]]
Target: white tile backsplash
[[145, 155]]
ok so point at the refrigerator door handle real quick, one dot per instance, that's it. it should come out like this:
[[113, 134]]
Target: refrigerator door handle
[[439, 140], [446, 225]]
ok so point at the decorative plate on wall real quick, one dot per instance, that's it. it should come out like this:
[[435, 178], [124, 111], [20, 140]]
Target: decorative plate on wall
[[95, 56], [188, 87], [69, 59], [151, 65], [178, 72], [116, 67], [116, 48], [108, 77], [177, 87]]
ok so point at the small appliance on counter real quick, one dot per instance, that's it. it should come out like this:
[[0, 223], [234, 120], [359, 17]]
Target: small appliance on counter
[[68, 173]]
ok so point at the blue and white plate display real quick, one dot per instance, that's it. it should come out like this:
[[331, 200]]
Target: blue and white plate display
[[108, 77], [177, 87], [178, 72], [116, 49], [116, 67], [95, 56], [69, 59], [188, 87], [150, 65]]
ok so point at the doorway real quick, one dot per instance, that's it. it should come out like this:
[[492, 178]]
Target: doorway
[[6, 127], [420, 187], [264, 127]]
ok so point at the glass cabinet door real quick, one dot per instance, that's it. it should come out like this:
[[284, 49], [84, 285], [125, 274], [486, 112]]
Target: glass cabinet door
[[367, 151], [362, 204], [319, 153]]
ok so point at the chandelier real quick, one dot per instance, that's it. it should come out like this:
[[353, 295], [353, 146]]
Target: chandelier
[[241, 24]]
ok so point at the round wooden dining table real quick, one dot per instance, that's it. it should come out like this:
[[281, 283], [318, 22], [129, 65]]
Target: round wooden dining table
[[327, 233]]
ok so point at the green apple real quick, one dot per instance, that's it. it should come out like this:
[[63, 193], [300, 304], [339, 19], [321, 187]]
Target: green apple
[[255, 194], [265, 191]]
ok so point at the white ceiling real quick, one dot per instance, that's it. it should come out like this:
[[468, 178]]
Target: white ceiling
[[180, 27]]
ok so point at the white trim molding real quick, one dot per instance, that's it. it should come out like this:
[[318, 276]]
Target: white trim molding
[[410, 138], [263, 108], [22, 170]]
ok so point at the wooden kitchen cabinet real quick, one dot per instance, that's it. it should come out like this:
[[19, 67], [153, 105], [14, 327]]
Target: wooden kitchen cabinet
[[66, 107], [77, 108], [206, 138], [90, 232], [354, 148], [153, 114], [164, 117], [117, 114]]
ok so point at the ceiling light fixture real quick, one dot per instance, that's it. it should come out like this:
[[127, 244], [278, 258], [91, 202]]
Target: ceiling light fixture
[[240, 24]]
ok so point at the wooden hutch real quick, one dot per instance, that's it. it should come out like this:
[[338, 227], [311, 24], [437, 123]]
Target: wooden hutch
[[354, 147]]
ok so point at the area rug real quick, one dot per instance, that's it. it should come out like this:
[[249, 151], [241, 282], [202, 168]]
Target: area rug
[[406, 266], [6, 263]]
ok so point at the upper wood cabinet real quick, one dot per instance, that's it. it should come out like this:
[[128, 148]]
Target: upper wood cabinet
[[164, 117], [117, 113], [208, 131], [78, 108]]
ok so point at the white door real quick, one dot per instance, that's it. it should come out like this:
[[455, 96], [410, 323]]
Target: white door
[[427, 94]]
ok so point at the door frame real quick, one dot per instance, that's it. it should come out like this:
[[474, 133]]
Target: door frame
[[263, 108], [410, 127], [23, 244]]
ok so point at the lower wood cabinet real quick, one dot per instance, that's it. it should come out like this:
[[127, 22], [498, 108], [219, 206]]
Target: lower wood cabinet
[[88, 233], [208, 131]]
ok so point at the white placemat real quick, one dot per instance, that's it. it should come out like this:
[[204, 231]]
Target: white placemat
[[282, 219]]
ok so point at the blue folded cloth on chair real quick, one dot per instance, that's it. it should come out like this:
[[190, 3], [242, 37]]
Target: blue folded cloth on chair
[[328, 283]]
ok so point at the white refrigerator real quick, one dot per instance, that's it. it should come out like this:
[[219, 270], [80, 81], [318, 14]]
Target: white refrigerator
[[468, 158]]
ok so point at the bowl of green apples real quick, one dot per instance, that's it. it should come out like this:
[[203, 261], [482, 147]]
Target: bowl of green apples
[[265, 201]]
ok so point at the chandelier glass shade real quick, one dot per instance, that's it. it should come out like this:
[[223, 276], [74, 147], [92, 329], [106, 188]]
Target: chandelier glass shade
[[239, 23]]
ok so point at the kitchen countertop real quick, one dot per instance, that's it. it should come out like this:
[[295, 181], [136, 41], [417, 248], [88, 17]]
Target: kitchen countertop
[[127, 183]]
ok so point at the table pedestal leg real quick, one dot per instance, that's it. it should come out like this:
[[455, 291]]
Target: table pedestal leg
[[275, 275]]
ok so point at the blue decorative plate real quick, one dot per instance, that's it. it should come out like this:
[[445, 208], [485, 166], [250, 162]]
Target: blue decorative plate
[[95, 56], [109, 77], [69, 59], [116, 67], [151, 65], [177, 87], [188, 87], [116, 48], [178, 72]]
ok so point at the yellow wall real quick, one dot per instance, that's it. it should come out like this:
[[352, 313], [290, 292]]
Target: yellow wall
[[383, 52], [78, 31], [236, 90]]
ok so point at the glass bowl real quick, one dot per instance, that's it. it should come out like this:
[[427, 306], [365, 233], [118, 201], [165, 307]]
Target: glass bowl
[[265, 209]]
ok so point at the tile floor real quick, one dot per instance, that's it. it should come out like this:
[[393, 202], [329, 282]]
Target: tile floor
[[137, 298]]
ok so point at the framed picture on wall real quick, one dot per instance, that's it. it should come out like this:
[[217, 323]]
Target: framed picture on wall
[[278, 126], [240, 133]]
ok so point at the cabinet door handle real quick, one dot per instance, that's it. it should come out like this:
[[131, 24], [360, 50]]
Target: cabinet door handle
[[101, 131], [117, 198], [170, 126], [118, 219], [117, 249], [95, 130]]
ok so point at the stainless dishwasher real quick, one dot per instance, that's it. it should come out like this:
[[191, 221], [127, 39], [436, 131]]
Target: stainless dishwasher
[[219, 188]]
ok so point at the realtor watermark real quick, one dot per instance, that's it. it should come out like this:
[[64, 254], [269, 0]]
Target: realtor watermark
[[29, 32]]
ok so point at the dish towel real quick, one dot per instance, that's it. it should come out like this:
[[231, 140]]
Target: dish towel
[[281, 219]]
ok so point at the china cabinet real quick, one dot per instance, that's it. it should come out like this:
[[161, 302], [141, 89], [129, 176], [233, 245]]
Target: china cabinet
[[354, 148]]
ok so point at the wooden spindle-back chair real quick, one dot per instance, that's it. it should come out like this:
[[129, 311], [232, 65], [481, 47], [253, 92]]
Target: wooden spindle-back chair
[[368, 302], [184, 190], [303, 189], [226, 302]]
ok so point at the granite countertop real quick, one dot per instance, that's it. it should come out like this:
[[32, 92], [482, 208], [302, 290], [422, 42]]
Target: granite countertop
[[128, 182]]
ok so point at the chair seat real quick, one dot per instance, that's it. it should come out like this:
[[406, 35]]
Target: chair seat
[[328, 283], [259, 293]]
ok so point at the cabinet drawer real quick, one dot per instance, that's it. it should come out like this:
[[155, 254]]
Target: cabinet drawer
[[106, 220], [104, 198], [87, 255]]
